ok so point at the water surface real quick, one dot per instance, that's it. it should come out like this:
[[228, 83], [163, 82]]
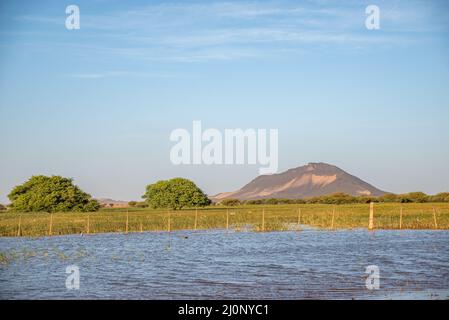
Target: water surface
[[220, 265]]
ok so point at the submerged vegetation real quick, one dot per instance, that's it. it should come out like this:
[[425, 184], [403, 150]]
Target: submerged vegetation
[[238, 218]]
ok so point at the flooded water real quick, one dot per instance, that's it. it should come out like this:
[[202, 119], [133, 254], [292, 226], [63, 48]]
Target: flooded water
[[218, 265]]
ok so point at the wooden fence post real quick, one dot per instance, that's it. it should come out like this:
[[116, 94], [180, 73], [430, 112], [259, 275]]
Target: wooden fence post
[[400, 219], [127, 221], [50, 228], [88, 225], [227, 219], [333, 218], [299, 217], [141, 227], [435, 218], [371, 216], [263, 219], [196, 218], [168, 223], [19, 231]]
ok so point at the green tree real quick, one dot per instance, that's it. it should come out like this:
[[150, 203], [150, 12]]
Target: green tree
[[50, 194], [142, 204], [175, 193], [389, 197], [335, 198], [252, 202], [365, 199], [419, 197], [231, 202], [440, 197], [2, 207], [271, 201]]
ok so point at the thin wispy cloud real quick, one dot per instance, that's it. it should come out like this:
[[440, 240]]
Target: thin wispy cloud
[[194, 32], [109, 74], [136, 70]]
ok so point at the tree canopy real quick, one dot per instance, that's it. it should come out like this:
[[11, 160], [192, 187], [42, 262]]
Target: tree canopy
[[231, 202], [50, 194], [175, 193]]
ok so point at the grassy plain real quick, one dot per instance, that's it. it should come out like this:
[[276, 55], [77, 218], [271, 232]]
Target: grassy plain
[[242, 218]]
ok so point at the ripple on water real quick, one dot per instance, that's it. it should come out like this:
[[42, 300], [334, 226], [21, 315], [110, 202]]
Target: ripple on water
[[219, 265]]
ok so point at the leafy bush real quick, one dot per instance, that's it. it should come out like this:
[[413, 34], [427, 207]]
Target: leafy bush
[[336, 198], [231, 202], [252, 202], [389, 197], [175, 193], [366, 199], [440, 197], [271, 201], [141, 204], [418, 197], [138, 204], [50, 194]]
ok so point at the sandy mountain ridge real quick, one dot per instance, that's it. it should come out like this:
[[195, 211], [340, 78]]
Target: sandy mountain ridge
[[313, 179]]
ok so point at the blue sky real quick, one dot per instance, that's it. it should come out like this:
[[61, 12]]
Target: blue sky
[[98, 104]]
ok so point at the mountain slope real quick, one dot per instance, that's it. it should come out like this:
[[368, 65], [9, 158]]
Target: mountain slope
[[314, 179]]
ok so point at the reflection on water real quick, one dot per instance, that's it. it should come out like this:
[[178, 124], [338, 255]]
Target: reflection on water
[[220, 265]]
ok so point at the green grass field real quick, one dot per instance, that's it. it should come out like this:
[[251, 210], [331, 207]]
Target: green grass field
[[243, 218]]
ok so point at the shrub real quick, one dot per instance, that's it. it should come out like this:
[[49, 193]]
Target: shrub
[[418, 197], [50, 194], [336, 198], [252, 202], [440, 197], [141, 204], [389, 197], [231, 202], [175, 193]]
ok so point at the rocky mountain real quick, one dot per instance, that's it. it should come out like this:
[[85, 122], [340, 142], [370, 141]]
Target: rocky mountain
[[313, 179]]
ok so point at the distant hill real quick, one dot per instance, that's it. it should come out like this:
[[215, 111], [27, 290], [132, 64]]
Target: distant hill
[[106, 202], [313, 179]]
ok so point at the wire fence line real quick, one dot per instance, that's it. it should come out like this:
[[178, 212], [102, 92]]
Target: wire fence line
[[251, 218]]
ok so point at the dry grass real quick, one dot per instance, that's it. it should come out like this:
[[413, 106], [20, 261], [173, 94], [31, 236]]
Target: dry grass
[[276, 218]]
